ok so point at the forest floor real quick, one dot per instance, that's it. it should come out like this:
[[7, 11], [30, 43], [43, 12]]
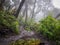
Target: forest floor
[[24, 35]]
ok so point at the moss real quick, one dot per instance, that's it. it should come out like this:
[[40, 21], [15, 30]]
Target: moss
[[26, 42]]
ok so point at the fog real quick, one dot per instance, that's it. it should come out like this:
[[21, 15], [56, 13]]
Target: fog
[[41, 9]]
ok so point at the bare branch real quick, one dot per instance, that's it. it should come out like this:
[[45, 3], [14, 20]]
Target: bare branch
[[57, 16]]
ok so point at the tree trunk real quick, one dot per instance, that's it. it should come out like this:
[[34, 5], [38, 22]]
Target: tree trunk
[[26, 11], [33, 13], [1, 4], [19, 8]]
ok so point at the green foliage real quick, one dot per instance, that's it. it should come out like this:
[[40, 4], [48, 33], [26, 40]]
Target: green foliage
[[27, 25], [26, 42], [50, 27], [32, 26], [9, 21]]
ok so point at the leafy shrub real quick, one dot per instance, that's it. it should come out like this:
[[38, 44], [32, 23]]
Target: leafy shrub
[[26, 42], [27, 25], [8, 22], [50, 27]]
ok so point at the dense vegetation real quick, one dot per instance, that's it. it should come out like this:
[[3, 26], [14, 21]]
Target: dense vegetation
[[8, 23], [26, 42], [46, 29], [49, 27]]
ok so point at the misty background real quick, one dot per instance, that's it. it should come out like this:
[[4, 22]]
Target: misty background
[[36, 9]]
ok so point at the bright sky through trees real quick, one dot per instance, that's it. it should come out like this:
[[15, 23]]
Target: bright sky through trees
[[56, 3]]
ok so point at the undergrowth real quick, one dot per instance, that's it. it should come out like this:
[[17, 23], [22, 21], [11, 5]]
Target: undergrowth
[[8, 23]]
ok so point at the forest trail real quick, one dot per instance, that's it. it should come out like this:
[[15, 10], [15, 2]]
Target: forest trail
[[23, 34]]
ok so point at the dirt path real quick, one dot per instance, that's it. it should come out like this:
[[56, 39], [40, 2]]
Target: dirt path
[[23, 34]]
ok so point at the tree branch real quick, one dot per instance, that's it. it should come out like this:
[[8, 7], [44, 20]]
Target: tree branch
[[57, 16]]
